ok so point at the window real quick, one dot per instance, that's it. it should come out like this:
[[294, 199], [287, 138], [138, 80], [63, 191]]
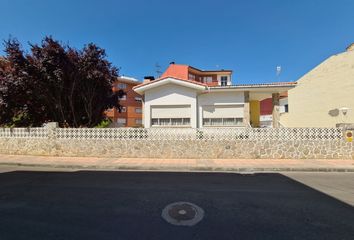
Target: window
[[170, 121], [121, 85], [186, 121], [223, 81], [138, 99], [207, 79], [154, 121], [191, 76], [228, 121], [121, 122], [286, 108], [124, 97], [138, 121], [164, 121], [123, 109], [222, 121], [176, 121], [216, 122], [138, 110]]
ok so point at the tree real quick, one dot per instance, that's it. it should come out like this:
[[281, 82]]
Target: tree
[[57, 83]]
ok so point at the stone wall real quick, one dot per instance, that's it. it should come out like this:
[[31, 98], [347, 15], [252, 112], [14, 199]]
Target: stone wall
[[267, 149]]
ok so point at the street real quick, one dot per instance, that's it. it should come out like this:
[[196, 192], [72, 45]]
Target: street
[[59, 204]]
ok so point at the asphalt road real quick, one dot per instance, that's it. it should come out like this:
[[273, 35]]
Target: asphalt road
[[128, 205]]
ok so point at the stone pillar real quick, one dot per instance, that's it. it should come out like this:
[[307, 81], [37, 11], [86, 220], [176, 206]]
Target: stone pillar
[[276, 113], [51, 126], [246, 110]]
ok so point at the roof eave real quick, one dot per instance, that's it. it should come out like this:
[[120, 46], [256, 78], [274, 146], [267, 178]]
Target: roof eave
[[268, 88], [141, 89]]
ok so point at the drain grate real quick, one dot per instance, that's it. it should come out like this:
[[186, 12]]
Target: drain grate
[[182, 214]]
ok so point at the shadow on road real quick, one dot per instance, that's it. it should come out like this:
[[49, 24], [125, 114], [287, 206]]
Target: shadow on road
[[128, 205]]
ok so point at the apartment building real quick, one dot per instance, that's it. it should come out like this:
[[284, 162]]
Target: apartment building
[[131, 111], [208, 77]]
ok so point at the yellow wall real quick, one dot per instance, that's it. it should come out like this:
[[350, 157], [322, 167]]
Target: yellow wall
[[255, 113], [319, 95]]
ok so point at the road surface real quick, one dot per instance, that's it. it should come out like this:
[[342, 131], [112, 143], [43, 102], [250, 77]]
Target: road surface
[[128, 205]]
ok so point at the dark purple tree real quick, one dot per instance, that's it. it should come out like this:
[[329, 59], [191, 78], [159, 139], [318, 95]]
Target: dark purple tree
[[55, 83]]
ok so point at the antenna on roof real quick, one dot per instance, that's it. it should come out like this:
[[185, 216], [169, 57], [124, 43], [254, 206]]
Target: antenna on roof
[[158, 70]]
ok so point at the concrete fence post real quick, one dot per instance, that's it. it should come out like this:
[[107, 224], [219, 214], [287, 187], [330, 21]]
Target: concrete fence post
[[347, 130], [51, 126]]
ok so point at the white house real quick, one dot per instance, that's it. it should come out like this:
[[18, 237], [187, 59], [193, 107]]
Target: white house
[[199, 101]]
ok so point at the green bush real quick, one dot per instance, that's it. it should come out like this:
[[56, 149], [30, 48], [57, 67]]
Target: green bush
[[104, 123]]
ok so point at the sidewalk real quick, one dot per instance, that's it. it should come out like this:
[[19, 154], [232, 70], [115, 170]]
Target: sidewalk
[[145, 164]]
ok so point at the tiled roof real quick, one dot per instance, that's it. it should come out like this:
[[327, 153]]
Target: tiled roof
[[176, 71]]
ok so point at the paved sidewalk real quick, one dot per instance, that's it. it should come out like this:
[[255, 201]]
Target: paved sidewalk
[[217, 165]]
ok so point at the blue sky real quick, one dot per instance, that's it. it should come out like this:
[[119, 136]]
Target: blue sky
[[250, 37]]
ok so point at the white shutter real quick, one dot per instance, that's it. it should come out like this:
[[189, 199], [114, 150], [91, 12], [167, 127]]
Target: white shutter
[[171, 112], [232, 111]]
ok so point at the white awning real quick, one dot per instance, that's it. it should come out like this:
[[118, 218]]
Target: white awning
[[170, 112], [232, 111]]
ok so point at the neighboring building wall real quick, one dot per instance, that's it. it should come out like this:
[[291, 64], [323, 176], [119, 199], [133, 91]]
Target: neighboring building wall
[[132, 116], [319, 95]]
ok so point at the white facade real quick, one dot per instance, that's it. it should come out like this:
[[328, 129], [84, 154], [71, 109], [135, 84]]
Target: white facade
[[220, 105], [174, 99]]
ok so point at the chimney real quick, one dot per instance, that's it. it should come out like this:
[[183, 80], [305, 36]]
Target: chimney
[[148, 79], [350, 47]]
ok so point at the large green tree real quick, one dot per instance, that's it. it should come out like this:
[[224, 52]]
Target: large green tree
[[55, 82]]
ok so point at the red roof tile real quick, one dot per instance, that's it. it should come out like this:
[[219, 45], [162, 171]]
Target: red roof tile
[[176, 71]]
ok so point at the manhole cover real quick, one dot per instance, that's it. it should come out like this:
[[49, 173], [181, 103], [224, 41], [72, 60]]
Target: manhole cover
[[182, 213]]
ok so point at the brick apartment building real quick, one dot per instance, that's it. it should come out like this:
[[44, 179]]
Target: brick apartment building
[[131, 102]]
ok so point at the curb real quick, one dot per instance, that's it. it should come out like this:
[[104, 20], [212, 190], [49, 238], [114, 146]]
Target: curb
[[178, 169]]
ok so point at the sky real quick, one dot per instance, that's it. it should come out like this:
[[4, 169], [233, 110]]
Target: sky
[[250, 37]]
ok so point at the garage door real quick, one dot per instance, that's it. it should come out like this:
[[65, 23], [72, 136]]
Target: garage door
[[231, 115], [177, 115]]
